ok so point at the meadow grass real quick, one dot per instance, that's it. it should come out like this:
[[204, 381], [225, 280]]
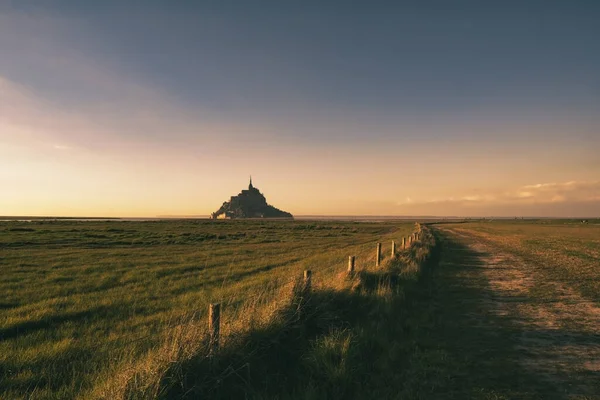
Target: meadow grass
[[81, 300], [340, 340], [117, 310]]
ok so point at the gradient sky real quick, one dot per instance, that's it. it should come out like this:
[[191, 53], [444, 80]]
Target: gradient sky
[[131, 108]]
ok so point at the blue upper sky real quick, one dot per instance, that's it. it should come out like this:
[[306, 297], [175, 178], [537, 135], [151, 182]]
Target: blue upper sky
[[523, 59]]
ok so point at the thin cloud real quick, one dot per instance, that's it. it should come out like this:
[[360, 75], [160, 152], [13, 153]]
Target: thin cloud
[[551, 192], [552, 185], [524, 195], [27, 117]]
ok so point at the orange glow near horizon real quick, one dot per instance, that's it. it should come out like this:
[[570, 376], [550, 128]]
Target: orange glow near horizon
[[45, 175]]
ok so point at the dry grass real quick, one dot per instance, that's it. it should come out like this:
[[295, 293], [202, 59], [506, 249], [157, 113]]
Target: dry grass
[[83, 301], [312, 330]]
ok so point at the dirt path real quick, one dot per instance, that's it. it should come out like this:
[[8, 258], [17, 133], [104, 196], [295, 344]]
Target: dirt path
[[557, 331]]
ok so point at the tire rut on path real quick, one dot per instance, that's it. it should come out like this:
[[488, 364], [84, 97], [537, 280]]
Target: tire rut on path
[[559, 337]]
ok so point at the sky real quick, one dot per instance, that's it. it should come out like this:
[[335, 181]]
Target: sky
[[153, 108]]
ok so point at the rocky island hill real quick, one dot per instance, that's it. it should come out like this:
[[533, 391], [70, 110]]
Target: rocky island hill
[[249, 203]]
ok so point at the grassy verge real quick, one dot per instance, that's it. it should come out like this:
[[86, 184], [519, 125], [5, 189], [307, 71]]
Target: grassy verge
[[348, 339], [469, 340], [558, 251]]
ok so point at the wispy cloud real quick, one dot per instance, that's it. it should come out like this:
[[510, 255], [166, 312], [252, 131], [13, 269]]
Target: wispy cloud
[[553, 192], [549, 192], [139, 118], [551, 185]]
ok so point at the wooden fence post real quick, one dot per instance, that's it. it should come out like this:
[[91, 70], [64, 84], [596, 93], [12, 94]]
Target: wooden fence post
[[393, 248], [378, 255], [403, 243], [351, 261], [214, 326], [307, 281]]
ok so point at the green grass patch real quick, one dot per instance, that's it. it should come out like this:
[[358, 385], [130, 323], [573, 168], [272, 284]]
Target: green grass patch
[[81, 298], [350, 338]]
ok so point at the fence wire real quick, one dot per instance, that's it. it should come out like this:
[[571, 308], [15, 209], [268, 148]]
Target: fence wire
[[169, 329]]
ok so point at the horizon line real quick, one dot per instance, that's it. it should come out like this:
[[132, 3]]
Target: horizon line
[[302, 216]]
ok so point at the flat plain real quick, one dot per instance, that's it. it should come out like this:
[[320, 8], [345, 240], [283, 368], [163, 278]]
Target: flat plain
[[80, 297], [499, 310]]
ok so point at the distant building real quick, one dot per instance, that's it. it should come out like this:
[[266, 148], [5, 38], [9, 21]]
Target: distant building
[[250, 203]]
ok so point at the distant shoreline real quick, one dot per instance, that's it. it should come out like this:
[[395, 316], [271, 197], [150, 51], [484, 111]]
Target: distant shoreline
[[298, 217]]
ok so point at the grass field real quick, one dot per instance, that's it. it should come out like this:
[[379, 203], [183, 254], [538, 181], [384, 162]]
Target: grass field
[[478, 310], [80, 297]]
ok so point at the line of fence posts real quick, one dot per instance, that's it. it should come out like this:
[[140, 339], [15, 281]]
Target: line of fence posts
[[214, 310], [407, 241]]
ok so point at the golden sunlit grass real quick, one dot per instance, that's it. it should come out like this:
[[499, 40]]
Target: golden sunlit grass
[[117, 310], [292, 345], [85, 303]]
